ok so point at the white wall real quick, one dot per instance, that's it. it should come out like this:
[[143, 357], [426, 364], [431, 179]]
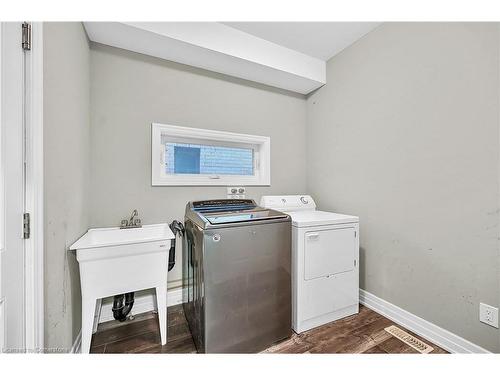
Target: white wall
[[66, 175], [406, 135]]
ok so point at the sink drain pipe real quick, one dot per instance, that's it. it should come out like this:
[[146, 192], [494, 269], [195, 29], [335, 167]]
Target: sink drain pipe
[[123, 303], [177, 229]]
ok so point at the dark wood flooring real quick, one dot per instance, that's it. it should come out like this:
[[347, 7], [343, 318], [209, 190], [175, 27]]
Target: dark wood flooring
[[361, 333]]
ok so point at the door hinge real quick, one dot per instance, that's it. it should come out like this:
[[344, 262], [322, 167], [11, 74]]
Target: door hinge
[[26, 225], [26, 36], [355, 234], [355, 262]]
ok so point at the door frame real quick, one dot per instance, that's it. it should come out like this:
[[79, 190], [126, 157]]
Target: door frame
[[2, 197], [33, 200], [34, 246]]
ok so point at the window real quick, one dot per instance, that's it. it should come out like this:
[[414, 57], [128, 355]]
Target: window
[[211, 160], [189, 156]]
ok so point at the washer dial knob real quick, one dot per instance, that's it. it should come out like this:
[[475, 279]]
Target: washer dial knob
[[304, 200]]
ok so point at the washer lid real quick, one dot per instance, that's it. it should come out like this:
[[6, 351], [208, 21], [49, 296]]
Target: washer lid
[[241, 216], [315, 218]]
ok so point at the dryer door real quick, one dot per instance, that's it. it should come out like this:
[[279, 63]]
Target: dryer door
[[328, 252]]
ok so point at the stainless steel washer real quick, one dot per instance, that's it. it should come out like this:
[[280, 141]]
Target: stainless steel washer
[[236, 275]]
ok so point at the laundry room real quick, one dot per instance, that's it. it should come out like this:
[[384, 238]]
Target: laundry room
[[250, 187]]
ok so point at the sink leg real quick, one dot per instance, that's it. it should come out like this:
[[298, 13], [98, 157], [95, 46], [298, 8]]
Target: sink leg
[[88, 311], [161, 301], [97, 315]]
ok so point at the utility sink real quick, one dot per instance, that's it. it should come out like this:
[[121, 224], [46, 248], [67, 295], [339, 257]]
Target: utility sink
[[103, 237], [115, 261]]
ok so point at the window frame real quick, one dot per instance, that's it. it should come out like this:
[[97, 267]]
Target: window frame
[[261, 146]]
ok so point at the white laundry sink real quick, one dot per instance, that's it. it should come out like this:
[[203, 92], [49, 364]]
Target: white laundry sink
[[115, 261], [102, 237]]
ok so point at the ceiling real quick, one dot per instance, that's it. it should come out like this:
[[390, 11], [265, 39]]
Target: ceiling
[[287, 55], [322, 40]]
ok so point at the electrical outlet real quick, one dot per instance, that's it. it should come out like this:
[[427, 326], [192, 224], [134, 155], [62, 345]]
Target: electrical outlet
[[236, 192], [488, 314]]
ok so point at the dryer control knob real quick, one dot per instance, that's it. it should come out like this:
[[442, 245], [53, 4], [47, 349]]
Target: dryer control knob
[[304, 200]]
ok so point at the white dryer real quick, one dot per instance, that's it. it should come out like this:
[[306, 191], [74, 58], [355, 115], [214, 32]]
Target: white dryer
[[325, 261]]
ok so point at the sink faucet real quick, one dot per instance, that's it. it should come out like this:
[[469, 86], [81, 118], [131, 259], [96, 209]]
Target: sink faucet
[[133, 222]]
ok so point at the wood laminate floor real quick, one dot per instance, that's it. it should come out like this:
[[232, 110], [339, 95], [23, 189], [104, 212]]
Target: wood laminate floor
[[361, 333]]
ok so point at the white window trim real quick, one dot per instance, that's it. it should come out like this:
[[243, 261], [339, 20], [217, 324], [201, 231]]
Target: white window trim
[[262, 155]]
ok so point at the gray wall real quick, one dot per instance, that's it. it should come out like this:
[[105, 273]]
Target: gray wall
[[66, 174], [129, 91], [406, 135]]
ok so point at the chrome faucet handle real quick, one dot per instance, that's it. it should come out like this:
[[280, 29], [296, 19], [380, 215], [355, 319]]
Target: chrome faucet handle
[[133, 222], [134, 214]]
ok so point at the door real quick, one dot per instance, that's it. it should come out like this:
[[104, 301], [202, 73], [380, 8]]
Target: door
[[12, 274], [329, 278], [328, 252]]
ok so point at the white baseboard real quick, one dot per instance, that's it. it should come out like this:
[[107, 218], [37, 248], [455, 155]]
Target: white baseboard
[[77, 345], [142, 304], [437, 335]]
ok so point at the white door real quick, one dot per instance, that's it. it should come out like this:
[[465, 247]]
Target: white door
[[328, 252], [329, 281], [12, 276]]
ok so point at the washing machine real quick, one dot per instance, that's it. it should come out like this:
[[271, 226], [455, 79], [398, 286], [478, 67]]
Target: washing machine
[[236, 275], [325, 261]]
